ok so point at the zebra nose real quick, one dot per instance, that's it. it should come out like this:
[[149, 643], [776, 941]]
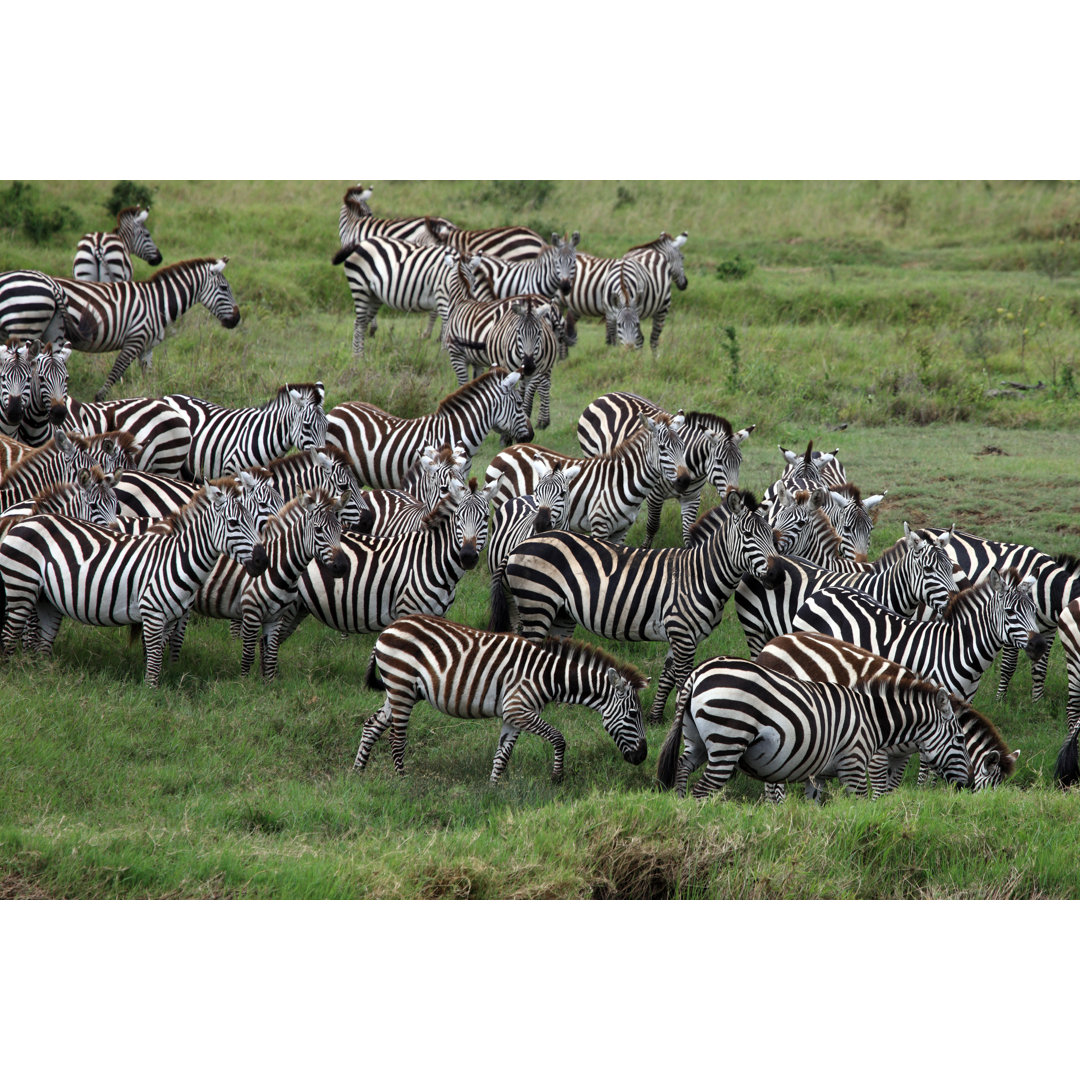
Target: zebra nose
[[564, 286], [682, 480], [339, 563], [529, 367], [15, 411], [232, 318], [258, 562], [637, 753], [680, 284], [155, 259], [1037, 645], [58, 413], [529, 433], [469, 555]]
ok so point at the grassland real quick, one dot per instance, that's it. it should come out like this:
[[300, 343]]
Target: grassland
[[881, 318]]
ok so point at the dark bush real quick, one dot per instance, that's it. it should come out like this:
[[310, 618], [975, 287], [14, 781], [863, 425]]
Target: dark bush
[[127, 193], [734, 269], [20, 210]]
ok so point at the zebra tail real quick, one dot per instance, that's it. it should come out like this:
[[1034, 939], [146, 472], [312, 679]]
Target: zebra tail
[[1068, 765], [669, 752], [499, 623], [344, 253], [79, 333], [371, 679]]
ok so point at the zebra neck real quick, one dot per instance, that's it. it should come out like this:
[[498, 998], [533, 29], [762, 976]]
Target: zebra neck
[[174, 293], [568, 679]]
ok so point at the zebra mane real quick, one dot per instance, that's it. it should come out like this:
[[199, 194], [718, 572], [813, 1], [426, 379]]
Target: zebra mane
[[849, 490], [59, 490], [353, 199], [652, 245], [887, 684], [704, 523], [466, 391], [443, 454], [26, 462], [1068, 563], [179, 519], [973, 595], [124, 439], [593, 657], [712, 421], [965, 713], [173, 268], [279, 524]]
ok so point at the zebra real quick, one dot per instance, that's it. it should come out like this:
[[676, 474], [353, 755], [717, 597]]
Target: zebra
[[16, 386], [131, 316], [356, 222], [306, 528], [652, 268], [604, 288], [675, 595], [805, 473], [850, 514], [517, 519], [552, 271], [608, 490], [439, 479], [102, 256], [161, 430], [382, 448], [817, 658], [401, 275], [472, 673], [955, 650], [713, 451], [1068, 625], [510, 243], [922, 574], [11, 451], [60, 459], [90, 497], [224, 439], [735, 714], [104, 578], [389, 576], [323, 467]]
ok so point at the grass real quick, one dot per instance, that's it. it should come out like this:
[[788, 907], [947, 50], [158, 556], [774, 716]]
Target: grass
[[875, 319]]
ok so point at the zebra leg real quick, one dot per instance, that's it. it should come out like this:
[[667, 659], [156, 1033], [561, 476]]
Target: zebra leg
[[609, 329], [364, 314], [544, 419], [430, 324], [146, 359], [678, 664], [128, 353], [374, 726], [689, 508], [250, 625], [1009, 654], [1038, 671], [657, 326], [275, 634], [926, 775], [153, 634], [176, 636], [723, 757], [528, 721], [852, 772], [507, 737], [776, 793], [652, 524], [42, 626], [459, 363], [399, 724], [15, 620]]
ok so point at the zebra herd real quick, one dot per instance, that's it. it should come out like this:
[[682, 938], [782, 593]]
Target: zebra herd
[[142, 511]]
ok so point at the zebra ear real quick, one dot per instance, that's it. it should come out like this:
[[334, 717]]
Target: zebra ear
[[784, 497], [873, 500], [554, 239], [819, 497], [219, 266], [991, 759], [64, 444], [995, 581], [678, 421], [114, 478], [909, 536], [733, 501], [789, 456], [571, 472], [305, 500], [943, 702], [575, 238], [320, 393], [323, 459], [84, 478], [511, 380], [490, 488], [142, 215], [613, 677], [681, 239], [246, 479]]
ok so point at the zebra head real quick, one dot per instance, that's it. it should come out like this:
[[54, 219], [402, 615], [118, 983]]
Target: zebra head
[[993, 767], [440, 473], [1013, 613], [622, 311], [50, 384], [259, 496], [338, 475], [469, 522], [322, 529], [131, 228], [216, 295], [939, 738], [559, 263], [725, 462], [930, 566], [98, 495], [509, 417], [672, 252], [528, 343], [790, 515], [16, 381], [307, 415], [747, 538], [550, 495], [666, 449], [804, 473], [621, 715], [233, 530], [109, 451], [850, 515]]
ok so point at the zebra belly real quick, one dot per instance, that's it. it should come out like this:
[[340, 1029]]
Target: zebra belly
[[93, 597]]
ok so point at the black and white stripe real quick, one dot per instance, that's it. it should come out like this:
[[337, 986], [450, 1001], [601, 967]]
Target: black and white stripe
[[102, 256], [471, 674], [90, 497], [675, 595], [604, 289], [160, 430], [356, 222], [32, 305], [650, 270], [383, 448], [735, 714], [552, 271], [16, 388], [510, 243], [439, 480]]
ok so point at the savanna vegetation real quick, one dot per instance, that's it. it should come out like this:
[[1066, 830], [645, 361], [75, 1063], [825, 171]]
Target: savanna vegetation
[[930, 331]]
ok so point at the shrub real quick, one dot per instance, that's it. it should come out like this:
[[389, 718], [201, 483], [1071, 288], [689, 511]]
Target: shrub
[[20, 210], [127, 193], [734, 269], [517, 195]]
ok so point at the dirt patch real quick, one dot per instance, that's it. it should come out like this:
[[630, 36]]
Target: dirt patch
[[14, 887]]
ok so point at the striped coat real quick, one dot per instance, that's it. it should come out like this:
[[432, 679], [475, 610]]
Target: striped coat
[[160, 430], [104, 256]]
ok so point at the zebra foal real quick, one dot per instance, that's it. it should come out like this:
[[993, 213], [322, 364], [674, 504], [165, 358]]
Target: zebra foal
[[472, 673]]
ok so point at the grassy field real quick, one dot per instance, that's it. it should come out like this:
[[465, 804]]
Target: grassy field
[[891, 320]]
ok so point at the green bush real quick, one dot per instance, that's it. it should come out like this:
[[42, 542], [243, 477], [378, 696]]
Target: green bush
[[20, 211], [734, 269], [127, 193]]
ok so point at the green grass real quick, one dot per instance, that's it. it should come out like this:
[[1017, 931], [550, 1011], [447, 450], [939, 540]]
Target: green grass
[[873, 306]]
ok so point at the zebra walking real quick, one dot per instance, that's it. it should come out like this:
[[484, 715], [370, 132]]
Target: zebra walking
[[816, 658], [955, 650], [131, 316], [608, 491], [675, 595], [471, 674], [383, 448], [224, 439], [102, 256], [712, 450], [735, 714], [62, 567]]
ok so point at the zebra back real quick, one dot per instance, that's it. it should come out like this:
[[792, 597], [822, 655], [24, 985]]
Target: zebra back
[[92, 497], [508, 243], [160, 430], [107, 256], [553, 270]]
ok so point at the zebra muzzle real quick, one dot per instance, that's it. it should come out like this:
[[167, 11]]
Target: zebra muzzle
[[58, 413], [1037, 645], [339, 563], [230, 320], [636, 754], [469, 555], [154, 260], [258, 562]]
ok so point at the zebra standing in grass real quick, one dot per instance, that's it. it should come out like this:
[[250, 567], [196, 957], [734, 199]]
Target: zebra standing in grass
[[224, 440], [953, 651], [64, 567], [604, 289], [735, 714], [608, 491], [713, 451], [160, 430], [48, 395], [675, 595], [651, 268], [131, 316], [816, 658], [16, 387], [383, 448], [552, 271], [106, 257], [472, 674], [921, 574]]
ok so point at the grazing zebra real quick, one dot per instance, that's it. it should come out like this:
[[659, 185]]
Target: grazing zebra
[[510, 243], [608, 491], [675, 595], [383, 448], [604, 289], [953, 651], [102, 256], [921, 574], [60, 460], [816, 658], [553, 270], [736, 714], [713, 451], [1057, 584], [104, 578], [224, 439], [388, 576], [131, 316], [471, 674], [439, 480], [32, 305], [401, 275], [161, 431], [652, 268], [306, 528], [16, 387], [517, 519], [91, 497]]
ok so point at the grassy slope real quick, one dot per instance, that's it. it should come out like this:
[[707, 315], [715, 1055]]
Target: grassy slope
[[875, 305]]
